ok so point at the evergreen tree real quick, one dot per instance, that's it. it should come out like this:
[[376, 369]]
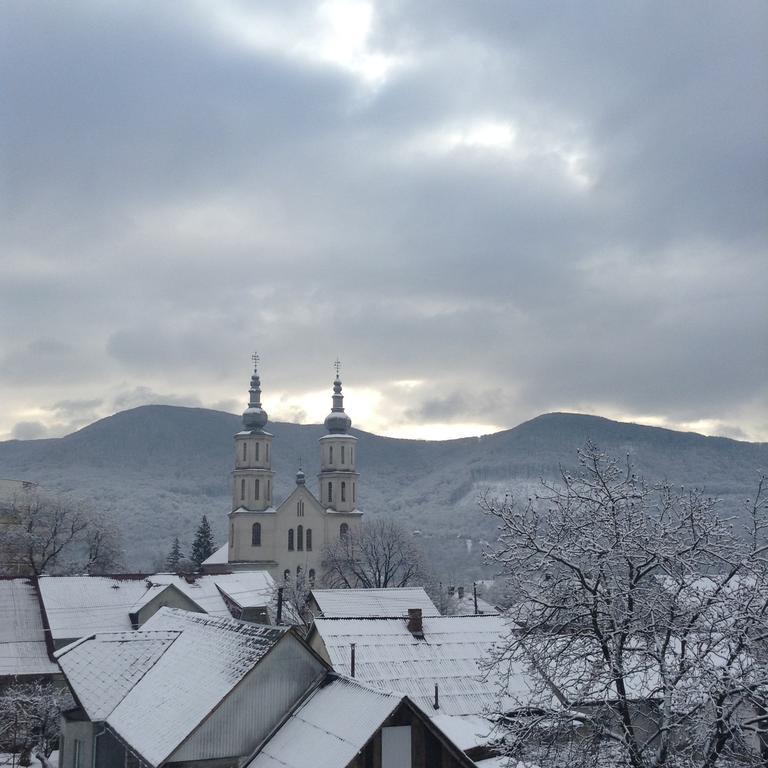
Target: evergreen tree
[[203, 546], [175, 556]]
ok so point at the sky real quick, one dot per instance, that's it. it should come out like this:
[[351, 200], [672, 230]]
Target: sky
[[487, 210]]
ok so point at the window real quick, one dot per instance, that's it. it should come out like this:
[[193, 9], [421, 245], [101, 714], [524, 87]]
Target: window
[[300, 508], [342, 454], [245, 450], [309, 539], [257, 487], [343, 531], [242, 490], [330, 454], [290, 540], [311, 574], [269, 490], [266, 451], [351, 455], [256, 535], [77, 753], [353, 493], [257, 451], [300, 538], [330, 491], [343, 491]]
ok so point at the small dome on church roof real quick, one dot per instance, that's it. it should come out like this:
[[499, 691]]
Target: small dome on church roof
[[337, 421], [254, 416]]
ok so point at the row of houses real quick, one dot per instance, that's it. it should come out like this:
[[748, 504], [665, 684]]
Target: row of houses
[[167, 670]]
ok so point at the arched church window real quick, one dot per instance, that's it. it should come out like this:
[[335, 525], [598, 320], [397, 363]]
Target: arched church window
[[257, 451], [343, 491], [242, 490], [330, 454], [311, 577], [290, 540], [300, 508], [245, 450], [286, 575], [351, 455], [343, 531], [266, 451], [269, 490], [257, 487], [353, 492], [300, 538], [256, 535], [342, 454], [330, 491], [309, 539]]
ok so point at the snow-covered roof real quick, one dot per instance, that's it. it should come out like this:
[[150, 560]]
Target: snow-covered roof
[[329, 728], [465, 606], [186, 663], [23, 650], [103, 669], [83, 605], [450, 655], [219, 557], [466, 731], [393, 601]]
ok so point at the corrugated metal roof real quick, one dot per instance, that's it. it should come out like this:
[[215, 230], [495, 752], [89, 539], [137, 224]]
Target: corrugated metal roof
[[22, 638], [82, 605], [102, 670], [450, 655], [329, 728], [392, 601]]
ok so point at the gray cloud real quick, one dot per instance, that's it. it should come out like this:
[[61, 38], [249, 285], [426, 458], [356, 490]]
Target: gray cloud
[[174, 197]]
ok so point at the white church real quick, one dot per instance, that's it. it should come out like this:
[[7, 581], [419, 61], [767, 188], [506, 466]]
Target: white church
[[288, 540]]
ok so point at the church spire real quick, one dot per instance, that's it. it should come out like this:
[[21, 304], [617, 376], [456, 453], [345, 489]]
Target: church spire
[[337, 422], [254, 416]]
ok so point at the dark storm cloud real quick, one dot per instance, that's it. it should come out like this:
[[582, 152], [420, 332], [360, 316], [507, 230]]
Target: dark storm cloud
[[174, 193]]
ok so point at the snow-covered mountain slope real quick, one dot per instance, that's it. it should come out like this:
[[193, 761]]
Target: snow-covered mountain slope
[[159, 468]]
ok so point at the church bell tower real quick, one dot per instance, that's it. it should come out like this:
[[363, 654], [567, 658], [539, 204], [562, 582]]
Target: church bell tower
[[338, 455]]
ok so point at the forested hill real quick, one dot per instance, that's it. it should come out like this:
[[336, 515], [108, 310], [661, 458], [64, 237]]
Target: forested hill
[[159, 468]]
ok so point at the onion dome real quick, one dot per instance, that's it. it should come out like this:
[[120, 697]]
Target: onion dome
[[300, 477], [254, 416], [337, 422]]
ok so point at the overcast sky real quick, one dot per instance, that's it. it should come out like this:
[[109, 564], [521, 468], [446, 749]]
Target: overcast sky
[[488, 210]]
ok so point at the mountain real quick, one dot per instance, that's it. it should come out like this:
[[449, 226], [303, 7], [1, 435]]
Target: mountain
[[158, 468]]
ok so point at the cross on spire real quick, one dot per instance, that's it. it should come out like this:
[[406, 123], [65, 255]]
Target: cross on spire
[[337, 366], [255, 357]]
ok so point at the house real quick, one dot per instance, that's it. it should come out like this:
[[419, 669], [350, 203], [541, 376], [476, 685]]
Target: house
[[360, 603], [194, 690], [345, 724], [74, 606], [187, 689], [431, 659]]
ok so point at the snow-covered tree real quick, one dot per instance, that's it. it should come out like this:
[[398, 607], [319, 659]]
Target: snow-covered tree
[[381, 554], [203, 546], [30, 717], [175, 556], [639, 626], [55, 534]]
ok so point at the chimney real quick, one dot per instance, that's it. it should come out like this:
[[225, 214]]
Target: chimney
[[415, 625], [461, 593], [451, 590]]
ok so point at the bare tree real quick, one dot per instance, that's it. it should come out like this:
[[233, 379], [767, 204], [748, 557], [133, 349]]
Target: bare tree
[[30, 715], [381, 554], [639, 624], [47, 533]]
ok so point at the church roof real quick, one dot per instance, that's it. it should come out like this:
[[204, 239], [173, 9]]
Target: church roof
[[392, 601]]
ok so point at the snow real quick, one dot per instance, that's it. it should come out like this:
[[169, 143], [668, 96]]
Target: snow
[[451, 655], [8, 760], [193, 674], [466, 731], [330, 727], [23, 650], [393, 601], [220, 556], [83, 605]]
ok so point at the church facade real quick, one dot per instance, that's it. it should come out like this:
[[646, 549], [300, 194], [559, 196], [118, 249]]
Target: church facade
[[288, 540]]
